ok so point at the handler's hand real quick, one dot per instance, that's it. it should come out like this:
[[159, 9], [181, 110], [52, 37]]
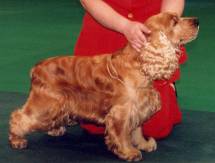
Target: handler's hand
[[135, 34]]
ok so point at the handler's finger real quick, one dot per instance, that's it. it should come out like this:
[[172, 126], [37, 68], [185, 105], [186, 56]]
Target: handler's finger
[[142, 38], [136, 46], [144, 29]]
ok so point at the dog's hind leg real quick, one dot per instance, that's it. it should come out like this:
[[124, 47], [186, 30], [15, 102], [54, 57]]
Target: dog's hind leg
[[60, 131], [20, 125], [57, 131], [38, 114]]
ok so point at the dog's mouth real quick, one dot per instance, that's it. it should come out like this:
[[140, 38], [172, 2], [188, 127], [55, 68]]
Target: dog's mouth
[[183, 42]]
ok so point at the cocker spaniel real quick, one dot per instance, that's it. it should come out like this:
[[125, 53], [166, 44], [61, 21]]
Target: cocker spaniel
[[114, 90]]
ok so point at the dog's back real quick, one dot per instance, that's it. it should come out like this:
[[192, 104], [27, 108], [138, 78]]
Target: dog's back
[[80, 80]]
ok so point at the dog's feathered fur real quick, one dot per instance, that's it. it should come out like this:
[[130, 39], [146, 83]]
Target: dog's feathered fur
[[112, 89]]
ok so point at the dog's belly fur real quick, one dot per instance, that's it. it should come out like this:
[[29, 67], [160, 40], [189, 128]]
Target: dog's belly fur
[[95, 107]]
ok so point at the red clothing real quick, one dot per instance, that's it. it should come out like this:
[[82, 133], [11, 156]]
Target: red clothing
[[96, 39]]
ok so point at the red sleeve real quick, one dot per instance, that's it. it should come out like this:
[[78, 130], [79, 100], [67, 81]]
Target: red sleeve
[[183, 58]]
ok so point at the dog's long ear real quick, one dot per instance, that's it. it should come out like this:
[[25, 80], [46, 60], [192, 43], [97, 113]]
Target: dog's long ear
[[160, 44], [155, 39]]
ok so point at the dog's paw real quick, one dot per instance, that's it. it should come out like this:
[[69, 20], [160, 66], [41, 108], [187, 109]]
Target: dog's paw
[[57, 132], [148, 146], [18, 143], [130, 155]]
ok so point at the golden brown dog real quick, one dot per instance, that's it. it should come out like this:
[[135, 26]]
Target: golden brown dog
[[111, 89]]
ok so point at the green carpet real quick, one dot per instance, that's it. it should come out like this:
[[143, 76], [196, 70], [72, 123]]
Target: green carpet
[[32, 30], [191, 142]]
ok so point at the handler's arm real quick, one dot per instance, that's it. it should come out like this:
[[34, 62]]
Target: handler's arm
[[105, 15], [176, 6], [108, 17]]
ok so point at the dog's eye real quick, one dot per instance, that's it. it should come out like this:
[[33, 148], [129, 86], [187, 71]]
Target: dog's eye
[[174, 22]]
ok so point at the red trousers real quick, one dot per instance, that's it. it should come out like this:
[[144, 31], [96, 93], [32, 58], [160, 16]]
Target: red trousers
[[96, 39]]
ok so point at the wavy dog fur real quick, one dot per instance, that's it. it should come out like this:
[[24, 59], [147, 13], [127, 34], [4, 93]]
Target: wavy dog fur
[[114, 90]]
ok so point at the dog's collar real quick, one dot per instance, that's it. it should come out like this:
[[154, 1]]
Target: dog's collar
[[112, 70]]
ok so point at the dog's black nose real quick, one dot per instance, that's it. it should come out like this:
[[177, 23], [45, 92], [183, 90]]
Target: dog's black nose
[[196, 22]]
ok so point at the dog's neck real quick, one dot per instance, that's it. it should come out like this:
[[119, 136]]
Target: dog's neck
[[130, 50]]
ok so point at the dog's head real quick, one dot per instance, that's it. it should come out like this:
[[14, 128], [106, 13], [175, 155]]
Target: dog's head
[[178, 30], [159, 57]]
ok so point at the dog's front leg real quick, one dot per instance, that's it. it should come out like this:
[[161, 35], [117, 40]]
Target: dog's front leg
[[148, 101], [118, 133], [141, 143]]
